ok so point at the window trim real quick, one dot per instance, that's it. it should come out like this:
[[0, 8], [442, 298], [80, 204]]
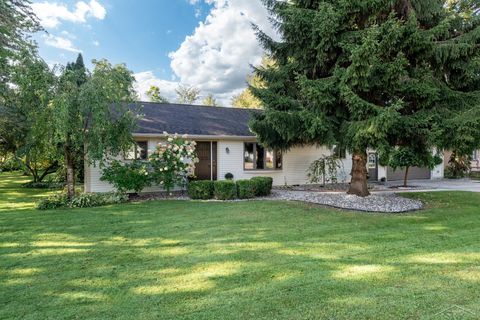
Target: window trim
[[136, 151], [274, 151]]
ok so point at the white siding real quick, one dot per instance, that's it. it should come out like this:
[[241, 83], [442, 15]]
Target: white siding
[[93, 174], [295, 164], [294, 171]]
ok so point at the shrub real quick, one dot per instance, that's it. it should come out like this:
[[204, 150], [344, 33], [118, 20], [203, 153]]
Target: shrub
[[173, 162], [263, 185], [87, 200], [229, 176], [84, 200], [225, 190], [127, 176], [246, 189], [10, 164], [53, 202], [44, 185], [202, 189]]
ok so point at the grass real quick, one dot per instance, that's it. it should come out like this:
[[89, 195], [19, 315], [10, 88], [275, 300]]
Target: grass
[[244, 260]]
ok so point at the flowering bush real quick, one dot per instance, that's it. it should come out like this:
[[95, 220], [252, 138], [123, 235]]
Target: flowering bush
[[173, 161]]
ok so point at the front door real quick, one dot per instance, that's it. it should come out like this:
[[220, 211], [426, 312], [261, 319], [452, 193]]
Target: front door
[[372, 166], [206, 168]]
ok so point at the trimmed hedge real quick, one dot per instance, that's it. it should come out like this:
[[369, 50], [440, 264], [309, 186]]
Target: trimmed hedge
[[246, 189], [84, 200], [263, 186], [202, 189], [225, 190]]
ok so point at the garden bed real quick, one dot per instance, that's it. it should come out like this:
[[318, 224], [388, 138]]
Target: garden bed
[[330, 187]]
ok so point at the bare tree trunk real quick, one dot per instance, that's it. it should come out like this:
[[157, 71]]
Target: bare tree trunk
[[405, 178], [358, 185], [70, 164]]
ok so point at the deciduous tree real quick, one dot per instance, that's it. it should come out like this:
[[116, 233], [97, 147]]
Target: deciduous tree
[[92, 117], [210, 101], [187, 95], [154, 95]]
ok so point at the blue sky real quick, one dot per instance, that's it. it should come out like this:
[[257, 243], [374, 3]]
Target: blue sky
[[208, 44]]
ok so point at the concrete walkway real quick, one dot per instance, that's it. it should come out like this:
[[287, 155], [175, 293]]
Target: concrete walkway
[[438, 185]]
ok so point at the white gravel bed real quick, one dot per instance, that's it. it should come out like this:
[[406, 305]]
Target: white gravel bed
[[389, 203]]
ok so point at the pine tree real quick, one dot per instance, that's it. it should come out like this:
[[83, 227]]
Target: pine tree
[[370, 74]]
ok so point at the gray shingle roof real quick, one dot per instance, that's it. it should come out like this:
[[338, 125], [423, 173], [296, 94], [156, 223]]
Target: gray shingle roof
[[193, 120]]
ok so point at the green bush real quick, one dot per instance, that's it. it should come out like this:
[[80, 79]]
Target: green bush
[[53, 202], [263, 186], [246, 189], [84, 200], [126, 177], [44, 185], [202, 189], [225, 190], [10, 164], [229, 176], [87, 200]]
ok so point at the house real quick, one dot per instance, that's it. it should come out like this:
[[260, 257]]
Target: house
[[474, 160], [225, 144]]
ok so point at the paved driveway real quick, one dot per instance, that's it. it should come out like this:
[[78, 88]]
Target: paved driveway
[[442, 184]]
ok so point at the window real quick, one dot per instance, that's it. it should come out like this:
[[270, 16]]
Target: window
[[256, 157], [372, 160], [475, 155], [138, 152], [339, 152]]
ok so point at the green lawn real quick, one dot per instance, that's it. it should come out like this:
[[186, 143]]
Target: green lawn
[[245, 260]]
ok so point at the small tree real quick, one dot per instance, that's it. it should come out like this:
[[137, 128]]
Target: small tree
[[187, 95], [210, 101], [173, 161], [407, 157], [154, 95], [324, 169], [91, 115]]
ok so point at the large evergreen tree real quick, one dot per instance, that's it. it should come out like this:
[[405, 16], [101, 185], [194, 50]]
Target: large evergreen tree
[[370, 74]]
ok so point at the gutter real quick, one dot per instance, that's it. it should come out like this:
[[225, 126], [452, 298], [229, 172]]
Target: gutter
[[197, 137]]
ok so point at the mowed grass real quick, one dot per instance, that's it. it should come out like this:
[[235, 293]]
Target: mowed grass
[[243, 260]]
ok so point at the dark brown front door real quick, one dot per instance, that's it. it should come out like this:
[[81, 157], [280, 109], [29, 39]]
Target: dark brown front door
[[206, 168]]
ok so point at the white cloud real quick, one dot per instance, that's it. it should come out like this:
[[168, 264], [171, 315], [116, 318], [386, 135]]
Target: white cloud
[[60, 43], [96, 43], [216, 58], [146, 79], [51, 13]]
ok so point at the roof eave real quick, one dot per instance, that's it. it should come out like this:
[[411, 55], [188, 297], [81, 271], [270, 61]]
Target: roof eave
[[196, 136]]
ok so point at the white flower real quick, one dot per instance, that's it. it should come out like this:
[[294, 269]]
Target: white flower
[[170, 139], [166, 168]]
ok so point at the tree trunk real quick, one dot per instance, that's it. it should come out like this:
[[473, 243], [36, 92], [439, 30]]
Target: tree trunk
[[358, 185], [70, 165], [405, 177], [51, 169]]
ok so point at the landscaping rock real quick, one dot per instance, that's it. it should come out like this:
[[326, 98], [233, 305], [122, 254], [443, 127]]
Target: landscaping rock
[[390, 203]]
